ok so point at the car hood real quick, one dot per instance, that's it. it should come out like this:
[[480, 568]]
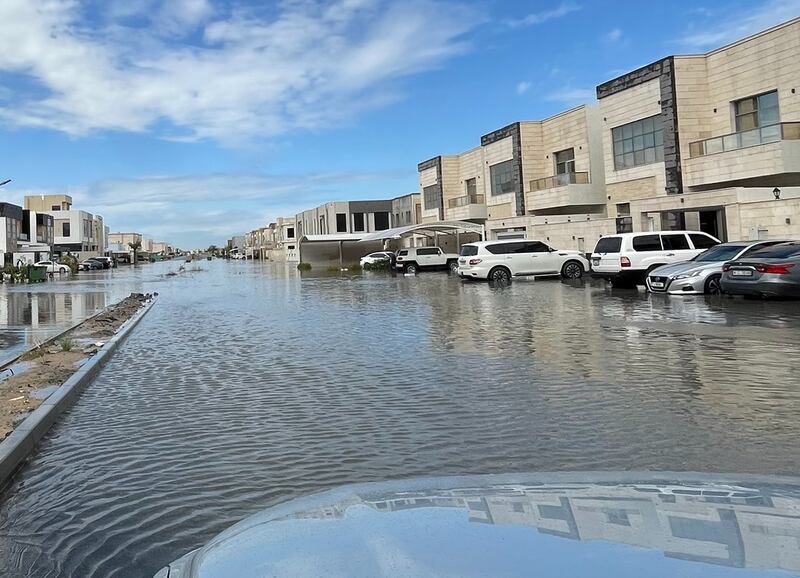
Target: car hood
[[648, 524], [685, 267]]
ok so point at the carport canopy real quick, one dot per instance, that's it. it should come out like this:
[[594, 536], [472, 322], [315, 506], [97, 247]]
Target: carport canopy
[[446, 227]]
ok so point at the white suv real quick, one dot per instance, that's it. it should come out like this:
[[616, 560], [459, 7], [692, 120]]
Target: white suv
[[627, 258], [413, 259], [501, 260]]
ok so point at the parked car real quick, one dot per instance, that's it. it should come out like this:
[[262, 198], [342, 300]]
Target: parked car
[[770, 272], [89, 265], [53, 267], [376, 258], [415, 259], [626, 259], [703, 273], [502, 260], [106, 262]]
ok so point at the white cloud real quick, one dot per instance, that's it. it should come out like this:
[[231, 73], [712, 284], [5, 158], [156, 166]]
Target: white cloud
[[613, 35], [523, 87], [194, 211], [573, 96], [200, 72], [540, 17], [747, 20]]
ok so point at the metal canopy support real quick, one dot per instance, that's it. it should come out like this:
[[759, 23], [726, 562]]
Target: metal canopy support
[[341, 261]]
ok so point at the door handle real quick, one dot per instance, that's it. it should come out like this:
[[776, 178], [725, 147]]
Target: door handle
[[670, 254]]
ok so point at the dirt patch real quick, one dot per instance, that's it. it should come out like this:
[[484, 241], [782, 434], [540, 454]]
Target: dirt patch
[[53, 364]]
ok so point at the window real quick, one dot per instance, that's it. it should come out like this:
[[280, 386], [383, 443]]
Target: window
[[565, 161], [402, 253], [720, 253], [290, 232], [469, 250], [430, 197], [638, 143], [358, 221], [55, 208], [702, 241], [290, 247], [408, 217], [65, 229], [472, 187], [608, 245], [647, 243], [504, 178], [677, 242], [534, 247], [623, 209], [341, 222], [780, 251], [381, 221], [756, 111], [505, 248], [428, 251]]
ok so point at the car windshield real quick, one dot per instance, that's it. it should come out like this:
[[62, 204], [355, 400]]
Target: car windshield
[[719, 253], [468, 250]]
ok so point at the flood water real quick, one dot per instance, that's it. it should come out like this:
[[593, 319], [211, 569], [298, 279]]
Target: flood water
[[247, 385]]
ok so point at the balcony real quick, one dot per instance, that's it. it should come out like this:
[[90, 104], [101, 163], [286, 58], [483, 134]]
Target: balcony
[[562, 191], [764, 152], [466, 208], [545, 183]]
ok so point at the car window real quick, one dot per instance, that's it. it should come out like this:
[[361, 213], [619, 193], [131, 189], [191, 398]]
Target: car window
[[781, 251], [428, 251], [759, 247], [377, 256], [504, 248], [402, 253], [719, 253], [702, 241], [468, 250], [676, 242], [644, 243], [534, 247], [608, 245]]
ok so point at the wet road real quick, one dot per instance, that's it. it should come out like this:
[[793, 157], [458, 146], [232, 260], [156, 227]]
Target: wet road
[[247, 385]]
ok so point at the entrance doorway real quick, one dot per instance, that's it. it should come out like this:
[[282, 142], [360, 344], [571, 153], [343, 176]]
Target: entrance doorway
[[711, 221]]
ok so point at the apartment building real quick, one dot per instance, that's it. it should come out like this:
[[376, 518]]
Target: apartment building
[[10, 230], [77, 232], [710, 141], [119, 245], [345, 217]]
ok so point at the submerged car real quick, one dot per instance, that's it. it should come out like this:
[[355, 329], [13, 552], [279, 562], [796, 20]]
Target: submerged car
[[53, 267], [89, 265], [501, 260], [565, 524], [770, 272], [379, 257], [703, 273]]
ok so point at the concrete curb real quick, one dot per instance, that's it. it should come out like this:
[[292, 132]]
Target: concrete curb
[[16, 448]]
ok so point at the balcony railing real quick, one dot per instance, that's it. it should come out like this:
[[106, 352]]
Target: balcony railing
[[744, 139], [465, 200], [581, 178]]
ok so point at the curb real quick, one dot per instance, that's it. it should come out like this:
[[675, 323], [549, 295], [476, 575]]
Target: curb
[[16, 448]]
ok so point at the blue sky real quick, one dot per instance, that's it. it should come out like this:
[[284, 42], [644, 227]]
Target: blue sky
[[192, 120]]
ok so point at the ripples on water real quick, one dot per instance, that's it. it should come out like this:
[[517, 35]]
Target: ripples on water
[[246, 386]]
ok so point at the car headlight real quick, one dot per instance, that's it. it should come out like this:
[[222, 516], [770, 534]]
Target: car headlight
[[686, 275]]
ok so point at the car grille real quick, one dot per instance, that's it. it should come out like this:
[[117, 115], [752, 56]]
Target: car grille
[[657, 279]]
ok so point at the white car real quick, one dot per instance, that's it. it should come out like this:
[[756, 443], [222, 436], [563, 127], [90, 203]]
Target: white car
[[502, 260], [53, 267], [373, 258], [414, 259], [627, 258]]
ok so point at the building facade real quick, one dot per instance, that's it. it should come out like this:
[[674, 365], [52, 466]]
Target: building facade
[[74, 231], [340, 217], [10, 231]]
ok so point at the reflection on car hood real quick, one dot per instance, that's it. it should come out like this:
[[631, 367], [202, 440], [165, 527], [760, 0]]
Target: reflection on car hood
[[559, 524], [686, 267]]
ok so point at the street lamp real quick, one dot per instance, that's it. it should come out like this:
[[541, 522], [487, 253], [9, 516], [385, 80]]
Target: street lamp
[[5, 182], [777, 192]]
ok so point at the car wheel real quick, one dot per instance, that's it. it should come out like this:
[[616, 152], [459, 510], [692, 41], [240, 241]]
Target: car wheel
[[500, 275], [713, 285], [572, 270], [63, 269], [412, 269], [453, 266]]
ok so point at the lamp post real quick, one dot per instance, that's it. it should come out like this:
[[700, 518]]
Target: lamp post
[[5, 182], [777, 192]]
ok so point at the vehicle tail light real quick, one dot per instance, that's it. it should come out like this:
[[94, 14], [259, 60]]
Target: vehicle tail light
[[475, 261], [782, 269], [399, 258], [726, 267], [624, 262]]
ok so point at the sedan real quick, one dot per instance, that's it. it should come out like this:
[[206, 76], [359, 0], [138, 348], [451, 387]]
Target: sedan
[[373, 258], [90, 265], [703, 273], [53, 267], [770, 272]]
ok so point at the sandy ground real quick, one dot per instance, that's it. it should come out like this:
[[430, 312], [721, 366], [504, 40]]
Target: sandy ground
[[53, 364]]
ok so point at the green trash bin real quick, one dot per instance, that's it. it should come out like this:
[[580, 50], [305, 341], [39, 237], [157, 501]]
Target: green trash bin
[[37, 274]]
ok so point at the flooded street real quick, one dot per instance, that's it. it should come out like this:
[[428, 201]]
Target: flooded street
[[247, 385]]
